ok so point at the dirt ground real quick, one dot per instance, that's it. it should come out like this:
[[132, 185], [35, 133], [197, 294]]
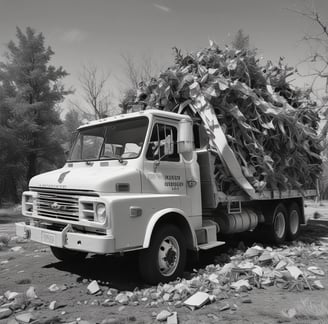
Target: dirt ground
[[33, 265]]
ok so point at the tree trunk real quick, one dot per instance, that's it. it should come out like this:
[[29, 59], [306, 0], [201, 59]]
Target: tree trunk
[[31, 167]]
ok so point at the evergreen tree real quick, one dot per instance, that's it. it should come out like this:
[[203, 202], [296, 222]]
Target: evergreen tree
[[30, 89]]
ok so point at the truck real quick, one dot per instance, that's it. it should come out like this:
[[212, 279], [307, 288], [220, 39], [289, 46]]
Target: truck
[[145, 181]]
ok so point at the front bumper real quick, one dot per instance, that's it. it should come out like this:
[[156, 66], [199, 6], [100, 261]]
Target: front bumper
[[87, 242]]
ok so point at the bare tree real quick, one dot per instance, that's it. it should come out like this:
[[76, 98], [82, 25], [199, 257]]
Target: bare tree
[[136, 74], [96, 94], [318, 45], [317, 60]]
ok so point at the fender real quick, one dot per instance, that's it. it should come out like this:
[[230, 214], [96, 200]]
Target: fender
[[157, 216]]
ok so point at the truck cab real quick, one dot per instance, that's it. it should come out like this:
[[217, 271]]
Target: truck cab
[[131, 182]]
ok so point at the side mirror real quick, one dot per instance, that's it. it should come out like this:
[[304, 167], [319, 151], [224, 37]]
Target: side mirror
[[185, 137]]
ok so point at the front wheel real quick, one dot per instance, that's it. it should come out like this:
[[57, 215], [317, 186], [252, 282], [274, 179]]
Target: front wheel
[[165, 258], [68, 255]]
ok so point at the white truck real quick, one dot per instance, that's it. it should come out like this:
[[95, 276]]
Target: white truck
[[145, 181]]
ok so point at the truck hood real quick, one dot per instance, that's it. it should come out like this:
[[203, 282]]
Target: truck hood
[[80, 176]]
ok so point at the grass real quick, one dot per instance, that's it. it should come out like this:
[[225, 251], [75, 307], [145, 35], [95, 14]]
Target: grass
[[10, 215], [308, 310]]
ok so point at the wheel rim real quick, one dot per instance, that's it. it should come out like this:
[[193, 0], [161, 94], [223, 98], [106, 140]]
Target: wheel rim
[[293, 222], [280, 225], [168, 256]]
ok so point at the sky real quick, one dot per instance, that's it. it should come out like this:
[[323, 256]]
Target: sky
[[98, 32]]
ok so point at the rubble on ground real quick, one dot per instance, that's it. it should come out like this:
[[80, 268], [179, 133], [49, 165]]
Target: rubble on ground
[[234, 274]]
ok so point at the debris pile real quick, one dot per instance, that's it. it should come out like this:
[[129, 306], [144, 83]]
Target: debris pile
[[270, 126], [227, 283]]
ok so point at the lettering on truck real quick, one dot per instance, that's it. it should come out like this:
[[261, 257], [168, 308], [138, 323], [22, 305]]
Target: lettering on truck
[[173, 181]]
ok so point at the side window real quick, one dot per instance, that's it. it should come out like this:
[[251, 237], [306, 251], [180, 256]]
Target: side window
[[163, 144]]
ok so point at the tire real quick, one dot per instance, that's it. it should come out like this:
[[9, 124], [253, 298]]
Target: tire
[[68, 256], [167, 243], [293, 222], [278, 228]]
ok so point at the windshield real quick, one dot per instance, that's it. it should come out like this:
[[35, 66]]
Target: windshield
[[116, 140]]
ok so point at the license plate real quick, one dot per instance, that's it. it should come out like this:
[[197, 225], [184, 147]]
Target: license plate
[[48, 238]]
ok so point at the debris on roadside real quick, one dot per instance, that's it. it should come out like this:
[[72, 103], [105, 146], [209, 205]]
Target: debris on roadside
[[5, 312], [53, 305], [173, 318], [93, 287], [163, 315], [30, 293], [197, 300], [227, 284]]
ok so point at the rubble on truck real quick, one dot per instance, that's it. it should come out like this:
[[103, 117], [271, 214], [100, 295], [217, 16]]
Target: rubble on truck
[[271, 127]]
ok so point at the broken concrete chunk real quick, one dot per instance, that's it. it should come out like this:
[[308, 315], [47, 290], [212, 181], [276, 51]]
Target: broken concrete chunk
[[197, 300], [252, 252], [166, 297], [30, 293], [122, 298], [316, 270], [173, 318], [257, 271], [112, 291], [10, 295], [5, 312], [246, 265], [267, 282], [25, 317], [53, 305], [265, 257], [240, 284], [226, 268], [213, 277], [281, 265], [294, 271], [163, 315], [181, 287], [53, 288], [93, 287], [317, 284]]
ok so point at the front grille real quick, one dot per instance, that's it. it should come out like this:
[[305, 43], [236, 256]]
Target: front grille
[[59, 204]]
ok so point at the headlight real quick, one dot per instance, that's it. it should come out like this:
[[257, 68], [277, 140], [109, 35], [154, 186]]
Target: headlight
[[101, 213], [27, 203]]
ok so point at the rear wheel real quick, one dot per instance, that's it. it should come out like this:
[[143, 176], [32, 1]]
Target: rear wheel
[[278, 228], [68, 255], [165, 258], [293, 223]]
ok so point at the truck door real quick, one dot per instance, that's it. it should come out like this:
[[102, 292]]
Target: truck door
[[163, 168]]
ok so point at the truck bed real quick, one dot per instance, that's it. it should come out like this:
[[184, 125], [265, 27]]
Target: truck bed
[[212, 196]]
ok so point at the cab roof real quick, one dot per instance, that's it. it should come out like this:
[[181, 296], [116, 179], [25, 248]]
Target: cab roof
[[147, 113]]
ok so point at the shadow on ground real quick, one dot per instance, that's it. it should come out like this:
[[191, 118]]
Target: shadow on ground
[[113, 271]]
